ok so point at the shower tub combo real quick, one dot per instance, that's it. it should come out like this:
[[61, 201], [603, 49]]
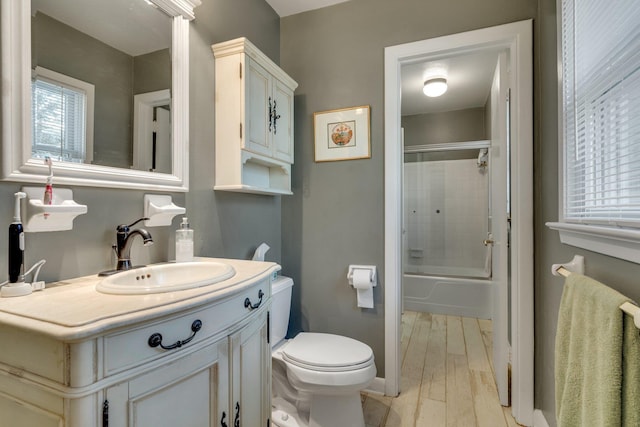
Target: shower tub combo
[[447, 218]]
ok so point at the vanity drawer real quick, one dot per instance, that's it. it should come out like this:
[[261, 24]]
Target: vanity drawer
[[133, 347]]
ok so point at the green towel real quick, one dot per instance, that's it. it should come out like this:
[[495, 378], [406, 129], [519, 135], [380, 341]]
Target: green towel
[[597, 358]]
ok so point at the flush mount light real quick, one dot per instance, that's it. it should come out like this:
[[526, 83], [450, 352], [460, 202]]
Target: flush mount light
[[435, 87]]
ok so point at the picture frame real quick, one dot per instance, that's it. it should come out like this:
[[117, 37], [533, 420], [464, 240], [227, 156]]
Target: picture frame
[[342, 134]]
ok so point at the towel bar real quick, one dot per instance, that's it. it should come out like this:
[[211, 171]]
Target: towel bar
[[627, 307]]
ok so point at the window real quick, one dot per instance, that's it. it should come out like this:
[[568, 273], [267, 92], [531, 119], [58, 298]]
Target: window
[[62, 117], [600, 126]]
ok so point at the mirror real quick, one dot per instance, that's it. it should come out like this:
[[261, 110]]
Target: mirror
[[124, 94]]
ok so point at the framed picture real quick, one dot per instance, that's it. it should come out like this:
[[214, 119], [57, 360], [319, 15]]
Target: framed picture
[[342, 134]]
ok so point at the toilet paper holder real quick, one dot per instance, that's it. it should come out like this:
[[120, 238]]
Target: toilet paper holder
[[373, 273]]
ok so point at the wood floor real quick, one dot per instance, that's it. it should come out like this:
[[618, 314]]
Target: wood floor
[[447, 377]]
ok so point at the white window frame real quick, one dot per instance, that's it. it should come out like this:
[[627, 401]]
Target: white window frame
[[616, 240], [79, 85]]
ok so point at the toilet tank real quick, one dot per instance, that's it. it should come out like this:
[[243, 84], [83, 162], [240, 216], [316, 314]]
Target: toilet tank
[[280, 308]]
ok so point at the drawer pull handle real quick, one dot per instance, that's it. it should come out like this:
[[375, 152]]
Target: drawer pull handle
[[223, 423], [247, 301], [155, 340], [236, 421]]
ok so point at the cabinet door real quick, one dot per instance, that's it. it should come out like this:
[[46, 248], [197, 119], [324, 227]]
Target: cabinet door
[[19, 413], [282, 128], [258, 98], [181, 393], [252, 374]]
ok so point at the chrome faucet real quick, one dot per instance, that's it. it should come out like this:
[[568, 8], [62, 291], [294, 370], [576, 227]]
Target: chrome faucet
[[124, 236]]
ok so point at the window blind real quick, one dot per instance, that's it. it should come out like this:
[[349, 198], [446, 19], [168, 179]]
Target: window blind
[[58, 120], [601, 106]]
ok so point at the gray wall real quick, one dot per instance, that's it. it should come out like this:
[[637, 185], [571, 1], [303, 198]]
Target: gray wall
[[336, 216], [616, 273], [317, 246], [226, 225], [449, 126], [152, 71]]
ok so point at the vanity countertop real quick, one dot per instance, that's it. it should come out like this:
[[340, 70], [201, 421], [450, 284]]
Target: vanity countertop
[[72, 309]]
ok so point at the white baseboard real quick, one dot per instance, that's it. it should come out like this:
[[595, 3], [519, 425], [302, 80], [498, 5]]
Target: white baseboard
[[376, 386], [538, 419]]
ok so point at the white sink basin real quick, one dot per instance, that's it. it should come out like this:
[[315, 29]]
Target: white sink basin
[[168, 277]]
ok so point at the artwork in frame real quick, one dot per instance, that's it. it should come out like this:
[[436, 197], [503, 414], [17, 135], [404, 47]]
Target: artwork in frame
[[342, 134]]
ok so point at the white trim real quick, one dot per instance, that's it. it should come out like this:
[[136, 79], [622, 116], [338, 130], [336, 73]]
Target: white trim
[[539, 419], [448, 146], [616, 242], [17, 164], [376, 386], [143, 127], [183, 8], [517, 38], [393, 160]]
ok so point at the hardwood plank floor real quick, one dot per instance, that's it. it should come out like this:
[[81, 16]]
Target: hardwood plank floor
[[447, 377]]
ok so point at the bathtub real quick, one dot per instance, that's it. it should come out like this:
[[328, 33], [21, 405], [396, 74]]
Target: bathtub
[[443, 294]]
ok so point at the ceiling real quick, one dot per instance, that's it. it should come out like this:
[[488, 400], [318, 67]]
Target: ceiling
[[131, 26], [291, 7], [468, 77]]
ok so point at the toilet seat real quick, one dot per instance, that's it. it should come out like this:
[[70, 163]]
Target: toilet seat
[[327, 353]]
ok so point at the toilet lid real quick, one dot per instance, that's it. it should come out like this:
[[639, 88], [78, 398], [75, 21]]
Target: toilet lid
[[327, 352]]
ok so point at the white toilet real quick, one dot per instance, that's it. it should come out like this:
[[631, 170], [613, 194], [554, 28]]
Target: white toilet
[[317, 378]]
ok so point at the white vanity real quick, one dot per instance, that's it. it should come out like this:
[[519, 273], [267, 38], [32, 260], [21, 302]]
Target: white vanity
[[75, 357]]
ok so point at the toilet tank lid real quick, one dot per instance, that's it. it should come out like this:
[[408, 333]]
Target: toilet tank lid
[[281, 283]]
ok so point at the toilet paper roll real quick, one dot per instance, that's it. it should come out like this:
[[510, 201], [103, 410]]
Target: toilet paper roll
[[362, 278], [364, 287]]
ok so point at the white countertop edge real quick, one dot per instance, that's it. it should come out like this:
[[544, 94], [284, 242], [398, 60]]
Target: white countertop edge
[[193, 298]]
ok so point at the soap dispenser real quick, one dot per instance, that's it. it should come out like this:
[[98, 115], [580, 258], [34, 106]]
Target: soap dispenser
[[184, 242]]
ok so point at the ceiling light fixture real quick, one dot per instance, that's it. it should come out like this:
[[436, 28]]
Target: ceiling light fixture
[[435, 87]]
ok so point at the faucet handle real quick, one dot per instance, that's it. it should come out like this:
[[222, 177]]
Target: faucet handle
[[125, 228], [141, 219]]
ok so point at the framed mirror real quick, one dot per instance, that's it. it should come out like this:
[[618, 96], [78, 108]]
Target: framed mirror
[[109, 106]]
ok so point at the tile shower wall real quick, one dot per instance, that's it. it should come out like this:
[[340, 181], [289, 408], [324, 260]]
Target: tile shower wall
[[446, 214]]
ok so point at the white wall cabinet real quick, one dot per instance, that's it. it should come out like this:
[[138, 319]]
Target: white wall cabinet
[[214, 369], [254, 120]]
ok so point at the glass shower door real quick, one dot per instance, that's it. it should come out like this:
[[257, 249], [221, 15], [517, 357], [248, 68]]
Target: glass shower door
[[446, 210]]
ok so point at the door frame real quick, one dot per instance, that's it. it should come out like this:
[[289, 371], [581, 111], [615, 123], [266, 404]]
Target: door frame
[[516, 38]]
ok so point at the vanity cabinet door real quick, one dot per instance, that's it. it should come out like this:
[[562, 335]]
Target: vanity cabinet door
[[251, 374], [181, 393]]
